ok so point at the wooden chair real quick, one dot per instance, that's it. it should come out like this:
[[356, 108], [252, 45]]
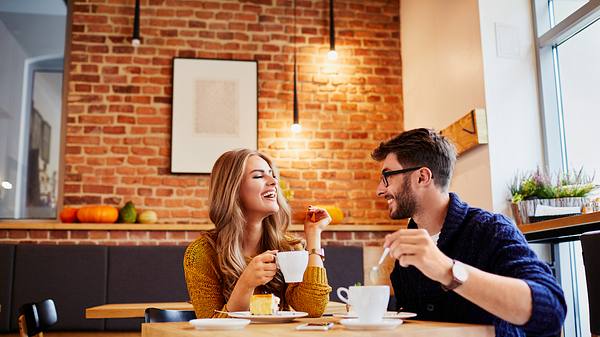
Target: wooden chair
[[35, 318], [590, 245], [155, 315]]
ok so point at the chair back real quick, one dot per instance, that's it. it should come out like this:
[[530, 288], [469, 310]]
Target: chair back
[[590, 245], [35, 318], [155, 315]]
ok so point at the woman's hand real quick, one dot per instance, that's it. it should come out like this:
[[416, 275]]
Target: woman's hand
[[316, 220], [260, 270]]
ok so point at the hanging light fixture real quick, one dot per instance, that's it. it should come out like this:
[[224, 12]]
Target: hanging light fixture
[[135, 39], [296, 127], [332, 54]]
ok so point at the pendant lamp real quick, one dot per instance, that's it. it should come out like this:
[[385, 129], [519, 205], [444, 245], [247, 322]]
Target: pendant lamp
[[135, 39], [296, 127], [332, 54]]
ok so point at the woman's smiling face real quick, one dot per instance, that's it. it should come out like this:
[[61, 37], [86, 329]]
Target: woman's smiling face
[[258, 191]]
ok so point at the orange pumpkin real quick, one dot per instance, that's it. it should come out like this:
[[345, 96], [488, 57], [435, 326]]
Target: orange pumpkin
[[335, 212], [98, 214], [68, 215]]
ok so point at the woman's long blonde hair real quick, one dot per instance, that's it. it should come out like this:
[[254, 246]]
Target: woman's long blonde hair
[[227, 215]]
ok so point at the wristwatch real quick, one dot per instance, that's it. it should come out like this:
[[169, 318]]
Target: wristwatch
[[319, 252], [459, 276]]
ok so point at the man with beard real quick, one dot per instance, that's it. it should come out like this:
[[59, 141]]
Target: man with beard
[[457, 263]]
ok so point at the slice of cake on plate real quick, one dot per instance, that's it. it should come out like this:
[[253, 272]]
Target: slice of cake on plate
[[264, 304]]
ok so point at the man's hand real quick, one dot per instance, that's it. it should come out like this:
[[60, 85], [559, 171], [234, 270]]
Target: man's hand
[[414, 247], [260, 270]]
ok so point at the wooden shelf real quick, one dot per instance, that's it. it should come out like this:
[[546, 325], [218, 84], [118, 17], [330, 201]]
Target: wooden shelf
[[561, 229], [178, 227]]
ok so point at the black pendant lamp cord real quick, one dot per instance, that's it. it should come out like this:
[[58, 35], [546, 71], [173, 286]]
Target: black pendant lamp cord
[[295, 79], [331, 26], [136, 21]]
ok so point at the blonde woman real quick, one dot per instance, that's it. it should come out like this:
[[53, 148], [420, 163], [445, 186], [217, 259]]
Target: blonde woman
[[227, 265]]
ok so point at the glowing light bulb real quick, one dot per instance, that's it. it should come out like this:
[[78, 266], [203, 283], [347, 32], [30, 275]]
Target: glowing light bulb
[[296, 127], [135, 42], [6, 185], [332, 55]]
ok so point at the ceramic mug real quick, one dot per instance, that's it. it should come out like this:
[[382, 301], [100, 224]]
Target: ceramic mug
[[292, 265], [370, 302], [347, 298]]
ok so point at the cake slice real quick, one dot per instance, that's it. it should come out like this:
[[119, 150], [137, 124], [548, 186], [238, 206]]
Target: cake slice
[[264, 304]]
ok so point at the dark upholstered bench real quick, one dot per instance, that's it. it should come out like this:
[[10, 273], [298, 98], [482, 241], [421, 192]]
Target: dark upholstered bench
[[79, 276]]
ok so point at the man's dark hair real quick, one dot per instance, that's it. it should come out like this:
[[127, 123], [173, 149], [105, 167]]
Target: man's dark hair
[[422, 147]]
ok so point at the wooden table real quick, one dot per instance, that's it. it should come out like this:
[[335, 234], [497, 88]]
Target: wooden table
[[408, 328], [134, 310]]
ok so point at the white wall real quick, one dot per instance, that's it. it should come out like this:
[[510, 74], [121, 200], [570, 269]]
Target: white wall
[[11, 83], [510, 77], [443, 80], [451, 65]]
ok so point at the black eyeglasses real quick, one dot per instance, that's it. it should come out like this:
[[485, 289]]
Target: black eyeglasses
[[386, 174]]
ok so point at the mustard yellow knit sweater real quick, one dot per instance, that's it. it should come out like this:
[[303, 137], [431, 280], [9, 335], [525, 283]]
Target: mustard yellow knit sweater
[[202, 276]]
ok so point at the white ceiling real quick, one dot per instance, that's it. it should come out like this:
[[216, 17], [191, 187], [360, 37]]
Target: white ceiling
[[38, 26]]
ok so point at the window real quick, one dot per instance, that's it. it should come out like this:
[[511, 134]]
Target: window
[[32, 40], [568, 52]]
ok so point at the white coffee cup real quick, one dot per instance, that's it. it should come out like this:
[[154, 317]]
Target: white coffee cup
[[347, 298], [370, 302], [292, 265]]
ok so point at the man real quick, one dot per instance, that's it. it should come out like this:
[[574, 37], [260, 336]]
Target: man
[[457, 263]]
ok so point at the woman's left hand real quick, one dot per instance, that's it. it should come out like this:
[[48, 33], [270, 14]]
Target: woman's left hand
[[316, 219]]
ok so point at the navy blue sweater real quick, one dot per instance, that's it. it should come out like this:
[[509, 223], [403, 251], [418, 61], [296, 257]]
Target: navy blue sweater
[[492, 243]]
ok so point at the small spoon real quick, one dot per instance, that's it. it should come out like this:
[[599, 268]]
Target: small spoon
[[375, 269]]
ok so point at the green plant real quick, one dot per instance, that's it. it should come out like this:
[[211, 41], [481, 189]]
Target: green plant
[[540, 185]]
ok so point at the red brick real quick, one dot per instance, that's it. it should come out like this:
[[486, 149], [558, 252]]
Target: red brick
[[126, 122]]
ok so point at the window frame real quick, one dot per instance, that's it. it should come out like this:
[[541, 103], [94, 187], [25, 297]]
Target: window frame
[[552, 116]]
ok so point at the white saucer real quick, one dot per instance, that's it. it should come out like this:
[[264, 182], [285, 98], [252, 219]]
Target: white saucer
[[389, 314], [219, 323], [385, 324], [279, 317]]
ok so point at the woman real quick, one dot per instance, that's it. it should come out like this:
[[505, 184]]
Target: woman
[[227, 265]]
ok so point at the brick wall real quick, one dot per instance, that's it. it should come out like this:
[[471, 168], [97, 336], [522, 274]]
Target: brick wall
[[119, 102]]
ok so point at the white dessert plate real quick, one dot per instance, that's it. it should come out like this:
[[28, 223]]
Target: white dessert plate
[[389, 314], [384, 324], [279, 317], [219, 323]]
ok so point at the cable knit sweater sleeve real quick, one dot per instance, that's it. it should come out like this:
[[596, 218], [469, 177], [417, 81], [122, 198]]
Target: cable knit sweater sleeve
[[312, 294], [514, 258], [205, 289], [203, 280]]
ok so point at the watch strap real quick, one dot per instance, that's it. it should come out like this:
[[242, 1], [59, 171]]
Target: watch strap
[[455, 283], [319, 252]]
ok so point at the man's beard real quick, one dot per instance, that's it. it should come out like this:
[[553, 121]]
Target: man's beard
[[406, 205]]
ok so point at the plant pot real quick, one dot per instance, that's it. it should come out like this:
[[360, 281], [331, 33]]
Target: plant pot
[[524, 211]]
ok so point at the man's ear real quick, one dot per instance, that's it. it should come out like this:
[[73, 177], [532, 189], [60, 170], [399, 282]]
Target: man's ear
[[425, 175]]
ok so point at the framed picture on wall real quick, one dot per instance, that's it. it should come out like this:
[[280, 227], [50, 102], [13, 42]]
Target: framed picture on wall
[[214, 110], [35, 130], [45, 148]]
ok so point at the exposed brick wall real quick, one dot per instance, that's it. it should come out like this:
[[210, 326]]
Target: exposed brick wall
[[119, 100]]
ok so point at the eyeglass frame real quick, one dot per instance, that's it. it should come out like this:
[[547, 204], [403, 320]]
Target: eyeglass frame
[[386, 174]]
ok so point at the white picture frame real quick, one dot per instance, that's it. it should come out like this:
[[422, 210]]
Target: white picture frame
[[215, 109]]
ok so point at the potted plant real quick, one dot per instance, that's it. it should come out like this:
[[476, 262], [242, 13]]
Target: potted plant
[[530, 190]]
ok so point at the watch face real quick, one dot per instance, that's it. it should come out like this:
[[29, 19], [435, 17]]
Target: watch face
[[460, 271]]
